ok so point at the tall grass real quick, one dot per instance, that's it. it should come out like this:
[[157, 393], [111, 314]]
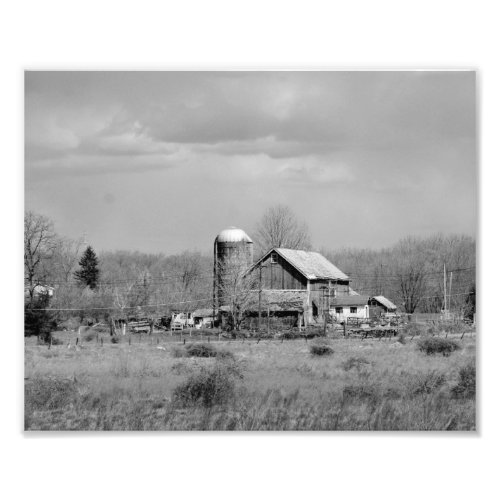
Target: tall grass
[[269, 385]]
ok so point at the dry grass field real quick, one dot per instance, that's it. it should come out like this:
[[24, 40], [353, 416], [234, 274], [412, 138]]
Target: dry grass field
[[249, 385]]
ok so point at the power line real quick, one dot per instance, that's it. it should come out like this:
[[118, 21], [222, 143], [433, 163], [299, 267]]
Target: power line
[[119, 308], [164, 280], [208, 299]]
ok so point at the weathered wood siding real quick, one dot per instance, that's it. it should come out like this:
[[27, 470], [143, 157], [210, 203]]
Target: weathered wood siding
[[280, 275]]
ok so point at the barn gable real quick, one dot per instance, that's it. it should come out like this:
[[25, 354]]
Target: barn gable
[[312, 266]]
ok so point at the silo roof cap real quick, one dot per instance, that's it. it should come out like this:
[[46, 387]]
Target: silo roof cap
[[232, 235]]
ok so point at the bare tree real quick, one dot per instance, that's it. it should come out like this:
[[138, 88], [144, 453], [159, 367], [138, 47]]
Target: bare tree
[[237, 288], [39, 245], [279, 227], [66, 256], [410, 266]]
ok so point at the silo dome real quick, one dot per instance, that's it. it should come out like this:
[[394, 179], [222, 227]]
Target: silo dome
[[233, 235]]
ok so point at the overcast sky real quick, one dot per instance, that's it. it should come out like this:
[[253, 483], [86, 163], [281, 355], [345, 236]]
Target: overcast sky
[[162, 161]]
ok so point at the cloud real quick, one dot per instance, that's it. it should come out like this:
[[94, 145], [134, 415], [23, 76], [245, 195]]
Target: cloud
[[319, 141]]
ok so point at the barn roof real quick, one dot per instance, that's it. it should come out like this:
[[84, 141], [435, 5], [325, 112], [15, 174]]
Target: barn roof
[[385, 302], [274, 300], [283, 300], [311, 264]]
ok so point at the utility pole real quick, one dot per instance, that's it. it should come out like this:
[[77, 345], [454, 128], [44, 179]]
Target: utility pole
[[260, 293], [268, 325], [215, 291], [444, 286], [326, 305], [451, 280]]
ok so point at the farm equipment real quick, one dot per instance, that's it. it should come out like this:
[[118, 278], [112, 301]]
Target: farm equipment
[[181, 321], [141, 326], [373, 331]]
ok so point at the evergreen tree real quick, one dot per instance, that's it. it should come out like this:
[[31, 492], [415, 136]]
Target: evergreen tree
[[470, 303], [88, 274]]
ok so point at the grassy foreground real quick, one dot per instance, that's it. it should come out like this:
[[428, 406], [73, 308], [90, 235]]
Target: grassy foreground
[[269, 385]]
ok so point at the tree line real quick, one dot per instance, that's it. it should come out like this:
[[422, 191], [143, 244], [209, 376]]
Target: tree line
[[126, 283]]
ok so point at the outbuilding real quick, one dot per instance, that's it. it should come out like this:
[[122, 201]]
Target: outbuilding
[[361, 307]]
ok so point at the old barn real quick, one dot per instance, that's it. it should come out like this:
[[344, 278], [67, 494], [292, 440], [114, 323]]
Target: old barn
[[299, 282]]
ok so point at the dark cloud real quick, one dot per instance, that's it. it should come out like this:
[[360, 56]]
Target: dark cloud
[[382, 137]]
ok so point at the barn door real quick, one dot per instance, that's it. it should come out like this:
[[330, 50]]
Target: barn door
[[315, 309]]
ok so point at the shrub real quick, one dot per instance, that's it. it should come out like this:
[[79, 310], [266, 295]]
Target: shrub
[[466, 386], [209, 387], [90, 336], [354, 362], [38, 320], [47, 393], [413, 329], [115, 339], [427, 383], [289, 335], [49, 339], [69, 324], [401, 338], [360, 391], [55, 341], [199, 350], [321, 348], [437, 345]]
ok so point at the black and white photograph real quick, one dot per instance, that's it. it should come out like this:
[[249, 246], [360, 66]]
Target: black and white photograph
[[250, 250]]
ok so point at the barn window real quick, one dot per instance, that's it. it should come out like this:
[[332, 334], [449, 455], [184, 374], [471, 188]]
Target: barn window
[[338, 310], [354, 310], [274, 258]]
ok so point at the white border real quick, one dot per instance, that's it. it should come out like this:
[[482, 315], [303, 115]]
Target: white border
[[252, 35]]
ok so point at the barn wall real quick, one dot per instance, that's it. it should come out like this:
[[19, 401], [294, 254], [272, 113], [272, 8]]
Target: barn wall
[[280, 276], [283, 276]]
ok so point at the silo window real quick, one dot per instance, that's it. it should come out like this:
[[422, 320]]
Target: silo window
[[274, 258]]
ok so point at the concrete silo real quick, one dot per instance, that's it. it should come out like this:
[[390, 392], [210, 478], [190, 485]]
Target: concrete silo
[[233, 248]]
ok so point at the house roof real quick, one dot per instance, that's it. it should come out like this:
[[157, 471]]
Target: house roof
[[311, 264], [362, 300], [385, 302], [203, 313], [351, 300]]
